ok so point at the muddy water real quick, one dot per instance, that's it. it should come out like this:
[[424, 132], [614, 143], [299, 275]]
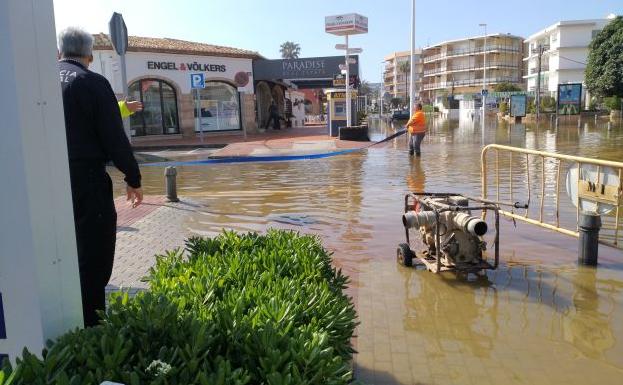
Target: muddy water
[[538, 319]]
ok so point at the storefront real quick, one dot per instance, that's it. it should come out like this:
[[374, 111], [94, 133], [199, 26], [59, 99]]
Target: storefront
[[158, 73]]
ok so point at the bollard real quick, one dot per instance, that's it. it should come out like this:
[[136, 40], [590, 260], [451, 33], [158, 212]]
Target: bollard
[[589, 226], [170, 174], [609, 126], [579, 122]]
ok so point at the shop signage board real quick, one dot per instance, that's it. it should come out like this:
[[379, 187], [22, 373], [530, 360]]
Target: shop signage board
[[518, 105], [305, 68], [346, 24], [569, 98]]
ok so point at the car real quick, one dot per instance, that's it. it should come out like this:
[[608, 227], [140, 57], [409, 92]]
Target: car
[[400, 115]]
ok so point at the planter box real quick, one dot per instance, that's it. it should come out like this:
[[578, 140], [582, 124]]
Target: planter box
[[355, 133]]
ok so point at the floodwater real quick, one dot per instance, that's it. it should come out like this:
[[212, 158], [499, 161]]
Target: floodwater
[[538, 319]]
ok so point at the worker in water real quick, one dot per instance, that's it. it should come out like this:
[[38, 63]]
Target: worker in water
[[417, 129]]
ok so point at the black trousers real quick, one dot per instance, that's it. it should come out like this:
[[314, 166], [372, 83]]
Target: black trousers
[[275, 120], [95, 220]]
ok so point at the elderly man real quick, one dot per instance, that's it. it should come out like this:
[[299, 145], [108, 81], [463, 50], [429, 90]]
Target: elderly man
[[95, 136]]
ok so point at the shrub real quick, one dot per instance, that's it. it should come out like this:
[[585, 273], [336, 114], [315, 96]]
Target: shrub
[[503, 108], [612, 103], [240, 309]]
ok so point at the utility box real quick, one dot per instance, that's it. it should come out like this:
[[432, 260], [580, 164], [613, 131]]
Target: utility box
[[336, 110]]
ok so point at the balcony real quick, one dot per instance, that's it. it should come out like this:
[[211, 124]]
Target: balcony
[[472, 51], [479, 67], [469, 82]]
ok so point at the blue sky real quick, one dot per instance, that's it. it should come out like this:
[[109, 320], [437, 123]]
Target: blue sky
[[262, 25]]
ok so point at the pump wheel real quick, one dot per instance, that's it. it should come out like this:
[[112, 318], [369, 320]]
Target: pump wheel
[[404, 255]]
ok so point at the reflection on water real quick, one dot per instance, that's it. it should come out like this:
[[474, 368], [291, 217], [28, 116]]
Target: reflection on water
[[537, 319]]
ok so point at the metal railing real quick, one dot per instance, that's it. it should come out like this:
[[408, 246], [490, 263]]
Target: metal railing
[[469, 82], [475, 67], [520, 174], [471, 51]]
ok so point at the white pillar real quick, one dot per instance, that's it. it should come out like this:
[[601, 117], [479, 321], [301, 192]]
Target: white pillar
[[412, 70], [39, 279]]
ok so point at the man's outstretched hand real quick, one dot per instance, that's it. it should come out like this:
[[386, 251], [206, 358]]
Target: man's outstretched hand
[[134, 106], [135, 195]]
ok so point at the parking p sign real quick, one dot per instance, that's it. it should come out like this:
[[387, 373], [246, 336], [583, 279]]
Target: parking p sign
[[197, 81]]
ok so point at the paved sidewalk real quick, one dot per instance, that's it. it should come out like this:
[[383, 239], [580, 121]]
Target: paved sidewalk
[[223, 139], [152, 228]]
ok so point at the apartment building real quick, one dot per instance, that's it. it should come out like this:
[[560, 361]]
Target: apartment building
[[396, 82], [457, 66], [564, 48]]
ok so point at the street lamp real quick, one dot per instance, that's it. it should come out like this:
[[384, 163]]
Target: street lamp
[[484, 78], [412, 60]]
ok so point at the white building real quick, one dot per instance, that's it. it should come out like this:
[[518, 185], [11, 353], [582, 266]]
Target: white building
[[158, 74], [565, 52]]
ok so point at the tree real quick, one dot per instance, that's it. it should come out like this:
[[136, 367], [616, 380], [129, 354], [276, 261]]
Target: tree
[[364, 88], [290, 50], [405, 68], [604, 70], [506, 87]]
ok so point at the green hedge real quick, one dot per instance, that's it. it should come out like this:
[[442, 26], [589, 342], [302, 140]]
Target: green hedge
[[239, 309]]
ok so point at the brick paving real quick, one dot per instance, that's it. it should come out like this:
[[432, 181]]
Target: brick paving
[[150, 229], [223, 139]]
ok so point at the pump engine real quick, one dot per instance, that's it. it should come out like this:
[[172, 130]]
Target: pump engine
[[453, 237]]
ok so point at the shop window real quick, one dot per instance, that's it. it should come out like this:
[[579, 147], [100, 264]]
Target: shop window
[[220, 107], [159, 115]]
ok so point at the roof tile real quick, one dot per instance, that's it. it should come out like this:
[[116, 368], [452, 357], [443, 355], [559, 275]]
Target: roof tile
[[175, 46]]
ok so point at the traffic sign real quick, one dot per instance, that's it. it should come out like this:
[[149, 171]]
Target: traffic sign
[[341, 46], [484, 92], [197, 81], [118, 33], [352, 51]]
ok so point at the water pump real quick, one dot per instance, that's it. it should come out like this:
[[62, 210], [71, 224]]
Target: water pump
[[452, 236]]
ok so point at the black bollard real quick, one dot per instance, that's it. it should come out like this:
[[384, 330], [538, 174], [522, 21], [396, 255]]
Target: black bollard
[[170, 174], [589, 226]]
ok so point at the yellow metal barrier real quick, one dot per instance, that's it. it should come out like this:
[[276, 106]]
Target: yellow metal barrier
[[513, 164]]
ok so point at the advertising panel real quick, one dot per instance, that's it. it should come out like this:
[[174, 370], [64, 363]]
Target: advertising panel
[[348, 24], [518, 105], [305, 68], [569, 98]]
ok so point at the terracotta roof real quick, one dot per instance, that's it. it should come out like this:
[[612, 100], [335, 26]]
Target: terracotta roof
[[166, 45]]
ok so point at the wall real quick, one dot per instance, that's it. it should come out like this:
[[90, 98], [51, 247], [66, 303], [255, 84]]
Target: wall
[[138, 66]]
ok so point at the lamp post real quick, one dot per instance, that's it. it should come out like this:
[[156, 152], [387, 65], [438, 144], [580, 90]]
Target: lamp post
[[412, 69], [484, 78]]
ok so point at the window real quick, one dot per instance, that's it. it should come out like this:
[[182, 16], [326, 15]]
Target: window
[[220, 107], [159, 115]]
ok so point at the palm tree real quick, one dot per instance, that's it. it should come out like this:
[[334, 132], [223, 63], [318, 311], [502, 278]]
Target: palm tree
[[290, 50], [405, 68]]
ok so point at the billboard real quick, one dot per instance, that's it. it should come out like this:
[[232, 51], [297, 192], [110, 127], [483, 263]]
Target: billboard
[[518, 105], [306, 68], [569, 98], [348, 24]]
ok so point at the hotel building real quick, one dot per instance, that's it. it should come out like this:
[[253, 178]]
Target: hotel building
[[396, 82], [457, 66], [564, 47]]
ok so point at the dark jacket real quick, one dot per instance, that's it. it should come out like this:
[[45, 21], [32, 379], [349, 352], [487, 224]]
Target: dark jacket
[[93, 122], [273, 110]]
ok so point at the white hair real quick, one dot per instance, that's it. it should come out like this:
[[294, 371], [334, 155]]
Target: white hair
[[74, 42]]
